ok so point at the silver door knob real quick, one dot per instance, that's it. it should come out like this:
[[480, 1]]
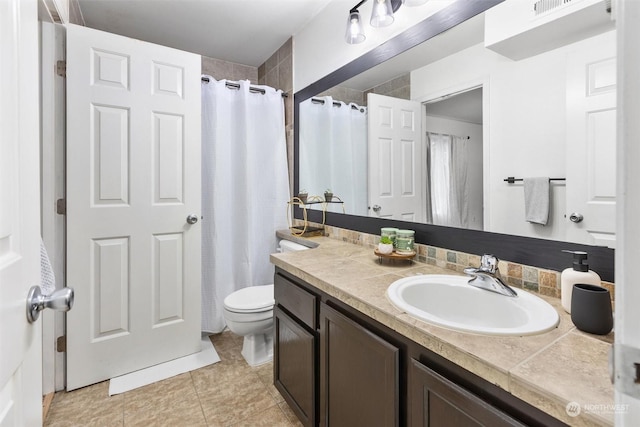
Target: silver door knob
[[377, 208], [575, 217], [192, 219], [60, 300]]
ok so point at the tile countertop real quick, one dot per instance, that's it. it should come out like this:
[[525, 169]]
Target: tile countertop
[[548, 370]]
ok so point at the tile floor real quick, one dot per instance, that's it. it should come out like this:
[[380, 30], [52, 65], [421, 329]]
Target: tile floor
[[227, 393]]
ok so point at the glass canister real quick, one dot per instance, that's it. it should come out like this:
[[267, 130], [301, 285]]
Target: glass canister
[[390, 232], [405, 241]]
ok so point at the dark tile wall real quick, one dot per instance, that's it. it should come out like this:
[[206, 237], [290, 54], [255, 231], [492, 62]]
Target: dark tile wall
[[400, 87], [277, 72], [219, 70]]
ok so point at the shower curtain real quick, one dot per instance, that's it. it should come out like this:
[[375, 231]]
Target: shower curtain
[[245, 189], [333, 152], [448, 184]]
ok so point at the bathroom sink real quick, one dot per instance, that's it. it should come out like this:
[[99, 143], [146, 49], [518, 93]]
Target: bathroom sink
[[450, 302]]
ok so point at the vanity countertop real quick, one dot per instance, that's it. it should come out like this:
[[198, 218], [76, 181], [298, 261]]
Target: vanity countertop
[[549, 371]]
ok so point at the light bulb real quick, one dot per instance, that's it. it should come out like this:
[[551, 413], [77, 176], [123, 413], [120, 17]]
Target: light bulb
[[382, 13]]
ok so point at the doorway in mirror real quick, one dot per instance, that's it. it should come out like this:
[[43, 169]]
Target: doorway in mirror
[[453, 129]]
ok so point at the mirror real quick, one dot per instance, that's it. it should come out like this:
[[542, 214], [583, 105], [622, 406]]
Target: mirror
[[503, 117]]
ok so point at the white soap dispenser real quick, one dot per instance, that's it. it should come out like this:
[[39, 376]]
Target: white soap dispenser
[[579, 273]]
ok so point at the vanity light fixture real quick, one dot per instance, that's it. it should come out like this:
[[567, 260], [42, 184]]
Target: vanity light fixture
[[411, 3], [381, 13], [381, 16], [355, 29]]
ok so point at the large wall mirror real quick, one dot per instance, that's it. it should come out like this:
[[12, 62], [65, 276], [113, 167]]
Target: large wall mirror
[[427, 136]]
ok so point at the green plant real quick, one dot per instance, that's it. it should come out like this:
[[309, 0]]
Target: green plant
[[386, 240]]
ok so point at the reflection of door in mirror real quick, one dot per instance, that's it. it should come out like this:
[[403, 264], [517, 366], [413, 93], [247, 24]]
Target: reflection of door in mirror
[[396, 168], [591, 143], [453, 127]]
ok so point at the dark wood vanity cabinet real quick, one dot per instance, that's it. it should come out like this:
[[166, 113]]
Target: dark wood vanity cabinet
[[433, 401], [296, 349], [359, 374], [336, 367]]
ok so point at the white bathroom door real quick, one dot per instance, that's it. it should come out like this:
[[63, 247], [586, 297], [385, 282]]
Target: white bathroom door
[[20, 341], [133, 178], [396, 185], [591, 144]]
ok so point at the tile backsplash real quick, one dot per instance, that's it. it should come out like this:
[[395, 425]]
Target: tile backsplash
[[533, 279]]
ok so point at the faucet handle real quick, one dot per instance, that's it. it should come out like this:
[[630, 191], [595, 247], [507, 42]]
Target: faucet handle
[[489, 263]]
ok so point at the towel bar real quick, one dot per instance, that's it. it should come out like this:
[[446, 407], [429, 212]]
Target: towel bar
[[511, 179]]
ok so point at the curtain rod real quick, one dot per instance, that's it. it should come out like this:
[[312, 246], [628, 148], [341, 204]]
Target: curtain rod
[[446, 134], [253, 89], [335, 103]]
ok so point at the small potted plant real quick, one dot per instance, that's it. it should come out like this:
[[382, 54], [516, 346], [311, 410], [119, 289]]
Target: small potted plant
[[328, 195], [302, 195], [386, 245]]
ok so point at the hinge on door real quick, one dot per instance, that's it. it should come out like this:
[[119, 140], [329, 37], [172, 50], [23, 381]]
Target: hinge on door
[[61, 344], [624, 365], [61, 68], [61, 207]]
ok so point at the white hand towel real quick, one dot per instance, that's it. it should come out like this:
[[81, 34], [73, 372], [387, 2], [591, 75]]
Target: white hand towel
[[47, 278], [536, 200]]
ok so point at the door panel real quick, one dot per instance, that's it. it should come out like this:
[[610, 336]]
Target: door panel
[[591, 144], [20, 341], [395, 159], [133, 177]]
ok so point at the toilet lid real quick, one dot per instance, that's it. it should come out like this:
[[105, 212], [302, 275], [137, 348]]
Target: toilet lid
[[253, 298]]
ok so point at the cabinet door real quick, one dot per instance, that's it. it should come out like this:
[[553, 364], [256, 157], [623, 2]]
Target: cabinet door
[[294, 366], [435, 401], [358, 374]]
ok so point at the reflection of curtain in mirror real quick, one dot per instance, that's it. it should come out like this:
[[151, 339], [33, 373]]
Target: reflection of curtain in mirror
[[333, 152], [448, 186]]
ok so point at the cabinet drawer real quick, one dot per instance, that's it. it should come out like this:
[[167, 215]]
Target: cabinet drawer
[[295, 300]]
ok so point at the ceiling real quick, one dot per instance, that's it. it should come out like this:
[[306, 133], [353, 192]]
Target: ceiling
[[242, 31]]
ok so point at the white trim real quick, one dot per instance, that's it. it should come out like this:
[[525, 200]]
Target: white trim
[[52, 189], [484, 83], [627, 316]]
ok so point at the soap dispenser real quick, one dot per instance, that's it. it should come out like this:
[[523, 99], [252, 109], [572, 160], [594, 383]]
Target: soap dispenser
[[579, 273]]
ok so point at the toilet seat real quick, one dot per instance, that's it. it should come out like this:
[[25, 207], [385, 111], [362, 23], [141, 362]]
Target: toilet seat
[[253, 299]]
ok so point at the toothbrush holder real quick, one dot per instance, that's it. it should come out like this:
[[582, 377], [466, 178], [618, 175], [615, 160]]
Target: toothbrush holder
[[591, 309]]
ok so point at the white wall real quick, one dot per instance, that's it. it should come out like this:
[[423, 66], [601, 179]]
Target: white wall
[[474, 169], [320, 49], [524, 126]]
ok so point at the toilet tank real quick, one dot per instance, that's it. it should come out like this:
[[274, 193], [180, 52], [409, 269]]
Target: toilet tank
[[289, 246]]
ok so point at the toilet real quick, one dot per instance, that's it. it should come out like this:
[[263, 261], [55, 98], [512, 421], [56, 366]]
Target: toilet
[[248, 312]]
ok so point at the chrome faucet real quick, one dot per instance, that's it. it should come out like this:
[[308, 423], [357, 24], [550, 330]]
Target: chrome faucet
[[487, 276]]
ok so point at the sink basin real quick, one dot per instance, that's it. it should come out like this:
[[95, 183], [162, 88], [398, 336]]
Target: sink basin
[[450, 302]]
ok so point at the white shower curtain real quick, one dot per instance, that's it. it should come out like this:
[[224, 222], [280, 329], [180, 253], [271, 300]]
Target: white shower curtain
[[448, 184], [333, 152], [245, 189]]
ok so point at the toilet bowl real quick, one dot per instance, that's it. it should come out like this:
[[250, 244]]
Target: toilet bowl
[[248, 312]]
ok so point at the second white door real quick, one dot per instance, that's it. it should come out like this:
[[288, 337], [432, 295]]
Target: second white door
[[396, 181], [133, 178], [591, 143]]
